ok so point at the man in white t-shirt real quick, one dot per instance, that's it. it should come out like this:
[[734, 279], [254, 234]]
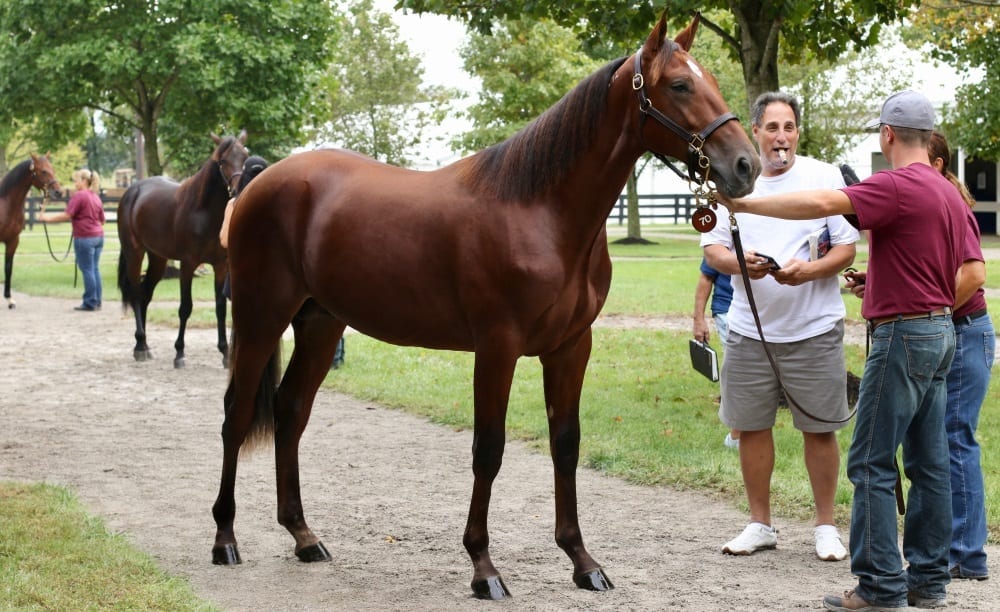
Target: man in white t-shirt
[[802, 316]]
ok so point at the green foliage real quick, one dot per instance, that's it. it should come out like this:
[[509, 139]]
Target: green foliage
[[173, 70], [525, 67], [371, 90], [758, 27], [966, 35]]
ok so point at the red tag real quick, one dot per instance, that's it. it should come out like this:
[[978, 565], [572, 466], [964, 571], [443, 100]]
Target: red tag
[[703, 219]]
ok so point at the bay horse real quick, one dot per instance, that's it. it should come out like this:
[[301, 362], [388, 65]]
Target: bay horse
[[14, 187], [503, 253], [161, 219]]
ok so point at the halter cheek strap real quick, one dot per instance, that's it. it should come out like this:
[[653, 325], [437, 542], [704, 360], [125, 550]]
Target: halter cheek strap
[[695, 142]]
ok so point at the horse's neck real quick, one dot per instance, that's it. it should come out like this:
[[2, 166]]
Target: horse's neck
[[603, 169], [16, 191], [208, 183]]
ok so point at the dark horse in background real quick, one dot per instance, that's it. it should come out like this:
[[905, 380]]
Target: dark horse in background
[[162, 220], [503, 253], [14, 187]]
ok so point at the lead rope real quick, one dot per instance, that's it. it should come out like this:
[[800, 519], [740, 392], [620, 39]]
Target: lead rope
[[48, 241]]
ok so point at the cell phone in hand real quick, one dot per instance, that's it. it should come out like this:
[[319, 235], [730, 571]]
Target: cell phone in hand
[[852, 275], [774, 267]]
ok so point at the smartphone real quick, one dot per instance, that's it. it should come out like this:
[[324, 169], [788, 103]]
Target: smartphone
[[770, 260], [850, 273]]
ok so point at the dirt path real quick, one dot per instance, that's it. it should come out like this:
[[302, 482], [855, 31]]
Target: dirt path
[[387, 492]]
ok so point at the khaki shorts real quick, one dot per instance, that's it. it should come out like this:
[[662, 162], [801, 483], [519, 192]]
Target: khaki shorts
[[813, 372]]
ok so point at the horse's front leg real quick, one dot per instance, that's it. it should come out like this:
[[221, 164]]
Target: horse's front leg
[[494, 371], [316, 335], [8, 268], [563, 372], [184, 311], [220, 271]]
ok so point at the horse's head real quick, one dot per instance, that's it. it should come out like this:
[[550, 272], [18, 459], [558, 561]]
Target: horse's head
[[229, 155], [43, 176], [691, 120]]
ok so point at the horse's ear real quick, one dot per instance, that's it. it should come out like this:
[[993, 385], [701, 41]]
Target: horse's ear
[[658, 35], [215, 137], [686, 38], [243, 136], [34, 157]]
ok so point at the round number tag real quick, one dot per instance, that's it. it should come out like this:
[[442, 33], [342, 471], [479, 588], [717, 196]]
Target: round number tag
[[703, 219]]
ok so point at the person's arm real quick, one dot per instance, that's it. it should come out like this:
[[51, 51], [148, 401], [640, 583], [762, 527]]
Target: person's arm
[[224, 231], [52, 217], [813, 204], [724, 261], [969, 278], [701, 293]]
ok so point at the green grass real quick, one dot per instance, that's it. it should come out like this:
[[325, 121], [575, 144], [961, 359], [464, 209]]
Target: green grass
[[54, 556]]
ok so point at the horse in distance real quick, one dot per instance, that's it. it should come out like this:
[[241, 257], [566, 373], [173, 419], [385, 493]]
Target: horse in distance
[[160, 219], [35, 172]]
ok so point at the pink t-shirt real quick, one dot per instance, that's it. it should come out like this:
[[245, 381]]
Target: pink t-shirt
[[87, 212], [919, 227]]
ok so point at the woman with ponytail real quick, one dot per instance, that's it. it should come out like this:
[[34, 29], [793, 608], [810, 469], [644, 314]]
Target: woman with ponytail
[[86, 212], [968, 381]]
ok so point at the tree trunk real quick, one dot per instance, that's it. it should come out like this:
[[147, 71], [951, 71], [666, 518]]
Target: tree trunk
[[634, 234], [758, 37], [632, 200]]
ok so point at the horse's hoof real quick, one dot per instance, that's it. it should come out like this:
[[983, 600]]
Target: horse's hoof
[[595, 580], [178, 363], [12, 305], [225, 362], [490, 588], [226, 555], [311, 554], [142, 354]]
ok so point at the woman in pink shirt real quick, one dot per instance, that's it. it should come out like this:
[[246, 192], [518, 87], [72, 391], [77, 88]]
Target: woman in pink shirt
[[86, 212]]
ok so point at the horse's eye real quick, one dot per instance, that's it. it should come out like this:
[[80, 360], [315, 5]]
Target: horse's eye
[[681, 86]]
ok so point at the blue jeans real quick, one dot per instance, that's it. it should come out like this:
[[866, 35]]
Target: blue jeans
[[88, 259], [967, 384], [902, 402]]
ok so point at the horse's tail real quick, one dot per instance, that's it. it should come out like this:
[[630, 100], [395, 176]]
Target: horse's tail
[[125, 285], [262, 427]]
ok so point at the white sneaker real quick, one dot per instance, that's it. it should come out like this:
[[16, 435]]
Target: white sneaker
[[828, 544], [756, 536], [730, 442]]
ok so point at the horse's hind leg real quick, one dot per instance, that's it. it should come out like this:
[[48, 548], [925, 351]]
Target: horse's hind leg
[[316, 336], [249, 408], [562, 373], [494, 371], [184, 311]]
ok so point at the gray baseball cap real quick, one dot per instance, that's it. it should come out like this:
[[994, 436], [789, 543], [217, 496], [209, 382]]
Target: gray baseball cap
[[907, 109]]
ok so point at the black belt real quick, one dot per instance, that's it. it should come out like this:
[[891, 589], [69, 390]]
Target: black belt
[[969, 318]]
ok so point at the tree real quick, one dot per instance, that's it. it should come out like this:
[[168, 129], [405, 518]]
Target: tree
[[966, 35], [170, 70], [525, 67], [826, 28], [372, 91]]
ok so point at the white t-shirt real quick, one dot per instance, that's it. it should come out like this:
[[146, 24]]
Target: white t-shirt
[[787, 313]]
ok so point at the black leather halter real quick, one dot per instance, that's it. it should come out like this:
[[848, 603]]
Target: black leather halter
[[696, 157]]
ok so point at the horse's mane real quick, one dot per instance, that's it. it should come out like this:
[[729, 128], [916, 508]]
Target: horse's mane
[[540, 154], [15, 176]]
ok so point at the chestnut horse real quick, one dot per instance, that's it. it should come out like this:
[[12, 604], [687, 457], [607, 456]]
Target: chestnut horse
[[162, 219], [503, 253], [14, 187]]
